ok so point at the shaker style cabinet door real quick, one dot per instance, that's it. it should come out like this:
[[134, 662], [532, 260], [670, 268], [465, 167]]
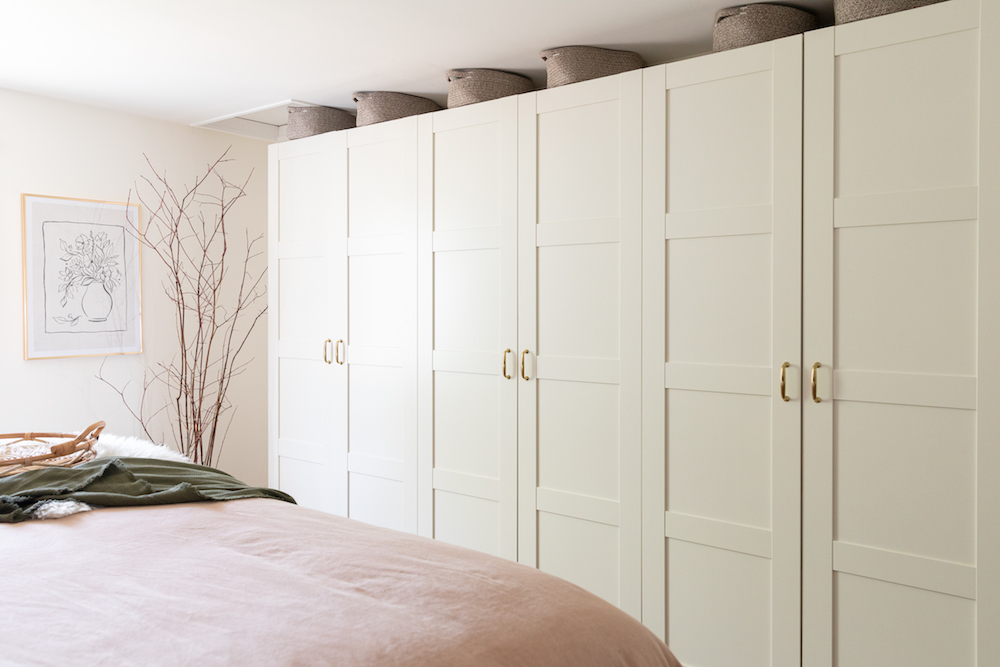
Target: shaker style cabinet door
[[307, 418], [579, 335], [722, 345], [379, 323], [898, 468], [468, 326]]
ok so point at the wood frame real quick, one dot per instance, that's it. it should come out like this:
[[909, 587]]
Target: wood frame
[[101, 331]]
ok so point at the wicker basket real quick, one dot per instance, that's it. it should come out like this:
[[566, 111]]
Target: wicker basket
[[380, 106], [846, 11], [307, 121], [753, 24], [569, 64], [32, 451], [468, 86]]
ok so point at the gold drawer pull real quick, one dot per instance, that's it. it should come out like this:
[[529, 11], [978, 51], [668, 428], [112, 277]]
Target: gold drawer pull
[[338, 351], [522, 365], [326, 350], [784, 396], [815, 397], [505, 353]]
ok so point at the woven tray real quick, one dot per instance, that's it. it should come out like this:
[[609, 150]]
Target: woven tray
[[380, 106], [468, 86], [753, 24], [846, 11], [307, 121], [20, 452], [570, 64]]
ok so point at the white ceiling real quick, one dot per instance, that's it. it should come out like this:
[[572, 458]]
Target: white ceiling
[[191, 61]]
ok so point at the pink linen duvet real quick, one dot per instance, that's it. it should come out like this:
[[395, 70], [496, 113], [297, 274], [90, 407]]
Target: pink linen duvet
[[263, 582]]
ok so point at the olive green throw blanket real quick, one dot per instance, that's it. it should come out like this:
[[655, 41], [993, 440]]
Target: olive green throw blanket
[[118, 482]]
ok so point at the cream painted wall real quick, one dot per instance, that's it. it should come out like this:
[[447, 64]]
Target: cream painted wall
[[55, 148]]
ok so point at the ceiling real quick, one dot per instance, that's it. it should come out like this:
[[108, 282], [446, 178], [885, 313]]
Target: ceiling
[[192, 61]]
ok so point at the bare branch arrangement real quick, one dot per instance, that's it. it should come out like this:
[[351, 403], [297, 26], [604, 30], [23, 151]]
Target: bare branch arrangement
[[217, 301]]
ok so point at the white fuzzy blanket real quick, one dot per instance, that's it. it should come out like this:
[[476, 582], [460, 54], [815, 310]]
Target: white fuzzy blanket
[[108, 446]]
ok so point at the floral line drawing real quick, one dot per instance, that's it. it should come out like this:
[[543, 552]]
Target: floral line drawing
[[90, 261], [69, 319]]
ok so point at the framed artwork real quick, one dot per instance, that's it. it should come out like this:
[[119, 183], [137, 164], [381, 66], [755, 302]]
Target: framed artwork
[[82, 277]]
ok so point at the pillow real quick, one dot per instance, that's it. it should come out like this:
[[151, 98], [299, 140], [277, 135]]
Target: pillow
[[109, 445]]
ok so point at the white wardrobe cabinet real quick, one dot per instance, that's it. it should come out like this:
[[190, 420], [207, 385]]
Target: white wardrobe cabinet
[[343, 328], [713, 339], [530, 247]]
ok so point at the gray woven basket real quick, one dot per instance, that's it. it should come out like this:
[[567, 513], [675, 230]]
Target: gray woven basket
[[307, 121], [380, 106], [468, 86], [569, 64], [846, 11], [753, 24]]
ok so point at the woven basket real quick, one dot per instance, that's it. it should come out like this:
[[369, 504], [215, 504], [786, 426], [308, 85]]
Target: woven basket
[[468, 86], [569, 64], [380, 106], [846, 11], [32, 451], [753, 24], [307, 121]]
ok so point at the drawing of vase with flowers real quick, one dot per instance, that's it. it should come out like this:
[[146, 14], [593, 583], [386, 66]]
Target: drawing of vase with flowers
[[91, 264]]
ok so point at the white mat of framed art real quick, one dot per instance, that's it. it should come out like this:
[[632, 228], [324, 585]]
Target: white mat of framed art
[[82, 277]]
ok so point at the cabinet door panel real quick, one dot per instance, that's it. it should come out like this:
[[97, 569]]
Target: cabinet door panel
[[917, 279], [580, 550], [893, 137], [579, 324], [720, 153], [721, 314], [718, 593], [720, 468], [468, 282], [928, 628]]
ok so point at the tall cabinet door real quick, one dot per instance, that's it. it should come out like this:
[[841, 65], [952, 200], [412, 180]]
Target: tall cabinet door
[[896, 471], [579, 333], [722, 345], [468, 326], [379, 324], [307, 222]]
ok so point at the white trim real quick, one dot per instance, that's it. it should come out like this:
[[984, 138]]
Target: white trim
[[475, 486], [719, 222], [578, 506], [748, 540], [577, 369], [899, 568], [753, 380], [897, 208]]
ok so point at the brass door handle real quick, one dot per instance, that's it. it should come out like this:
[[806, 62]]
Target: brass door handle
[[784, 396], [326, 348], [815, 397], [505, 353], [522, 365], [338, 351]]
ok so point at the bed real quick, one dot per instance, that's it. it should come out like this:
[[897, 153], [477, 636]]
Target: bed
[[260, 581]]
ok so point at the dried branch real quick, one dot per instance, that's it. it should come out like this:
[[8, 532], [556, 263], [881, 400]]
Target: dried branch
[[215, 314]]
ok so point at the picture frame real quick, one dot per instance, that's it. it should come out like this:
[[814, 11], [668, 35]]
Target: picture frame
[[82, 272]]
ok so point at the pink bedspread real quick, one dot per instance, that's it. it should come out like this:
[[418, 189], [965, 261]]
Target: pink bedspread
[[262, 582]]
